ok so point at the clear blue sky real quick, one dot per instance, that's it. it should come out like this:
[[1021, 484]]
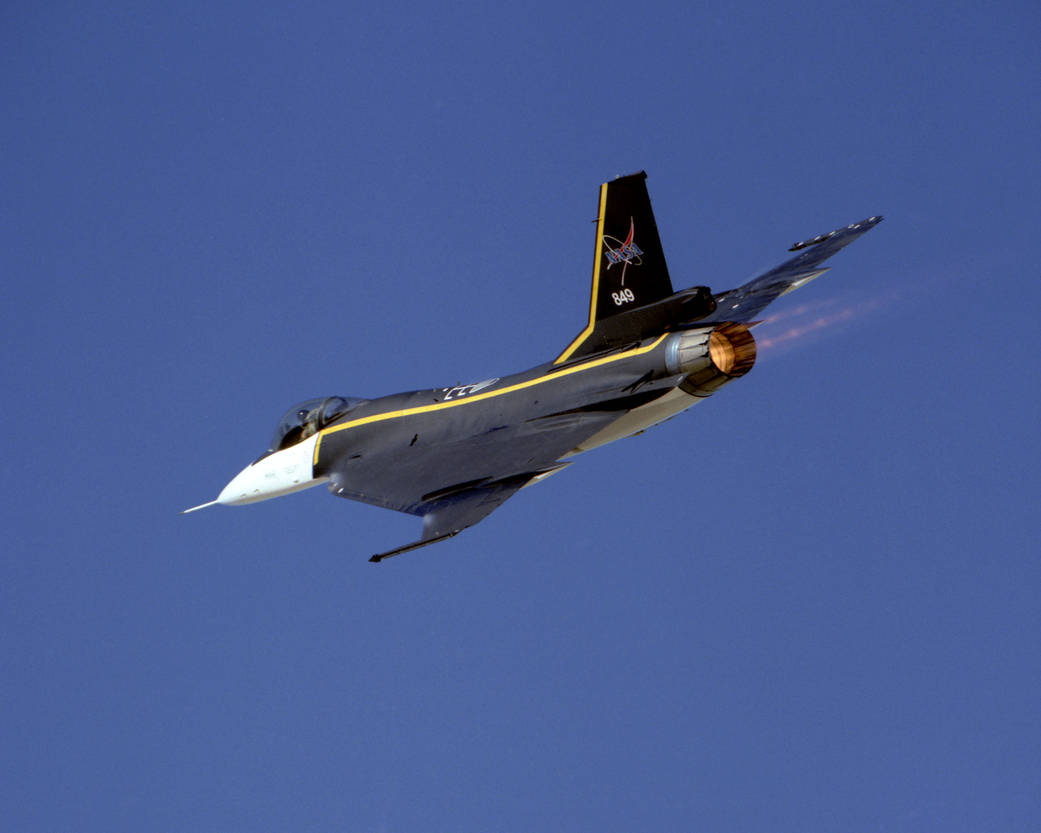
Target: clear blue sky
[[809, 604]]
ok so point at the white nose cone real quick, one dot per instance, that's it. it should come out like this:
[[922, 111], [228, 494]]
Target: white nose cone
[[281, 473]]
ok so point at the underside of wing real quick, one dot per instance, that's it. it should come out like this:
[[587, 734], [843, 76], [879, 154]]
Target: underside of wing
[[454, 511], [453, 485], [746, 302]]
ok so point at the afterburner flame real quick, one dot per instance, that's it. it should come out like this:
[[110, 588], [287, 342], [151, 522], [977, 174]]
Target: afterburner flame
[[806, 320]]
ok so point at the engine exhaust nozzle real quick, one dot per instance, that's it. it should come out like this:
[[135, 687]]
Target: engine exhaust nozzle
[[711, 357]]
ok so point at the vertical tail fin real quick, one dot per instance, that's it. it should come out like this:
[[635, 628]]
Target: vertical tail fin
[[629, 268]]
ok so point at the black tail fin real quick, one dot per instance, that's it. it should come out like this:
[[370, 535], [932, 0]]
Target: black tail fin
[[629, 269]]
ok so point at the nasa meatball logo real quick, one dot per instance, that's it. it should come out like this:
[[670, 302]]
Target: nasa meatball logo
[[623, 251]]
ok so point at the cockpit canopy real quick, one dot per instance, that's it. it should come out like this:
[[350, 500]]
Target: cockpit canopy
[[307, 418]]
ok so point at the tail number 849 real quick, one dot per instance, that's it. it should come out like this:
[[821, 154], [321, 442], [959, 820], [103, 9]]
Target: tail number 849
[[624, 296]]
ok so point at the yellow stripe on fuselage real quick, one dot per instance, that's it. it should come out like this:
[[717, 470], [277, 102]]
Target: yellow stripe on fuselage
[[582, 336], [478, 397]]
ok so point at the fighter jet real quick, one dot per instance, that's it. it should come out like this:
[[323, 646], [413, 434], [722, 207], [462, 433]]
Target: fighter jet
[[453, 455]]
